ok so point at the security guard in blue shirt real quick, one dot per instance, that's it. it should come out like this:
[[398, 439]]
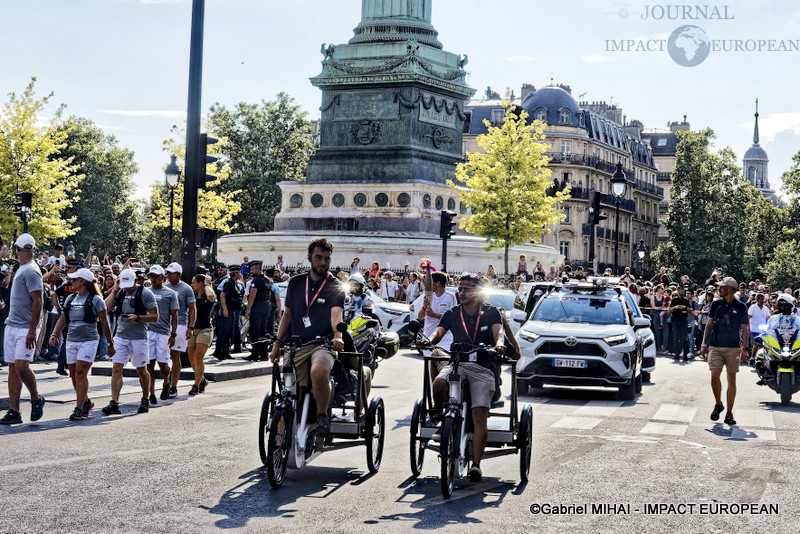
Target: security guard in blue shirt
[[258, 309]]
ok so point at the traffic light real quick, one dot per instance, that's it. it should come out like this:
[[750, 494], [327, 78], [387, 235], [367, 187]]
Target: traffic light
[[23, 207], [594, 208], [447, 225], [205, 159]]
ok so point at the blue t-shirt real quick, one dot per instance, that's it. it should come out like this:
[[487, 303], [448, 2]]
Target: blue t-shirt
[[728, 319]]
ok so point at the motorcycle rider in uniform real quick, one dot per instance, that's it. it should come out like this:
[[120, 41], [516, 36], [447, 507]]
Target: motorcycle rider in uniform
[[784, 319]]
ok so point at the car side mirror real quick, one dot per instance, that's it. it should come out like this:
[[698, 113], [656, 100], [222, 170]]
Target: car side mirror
[[520, 319], [641, 322]]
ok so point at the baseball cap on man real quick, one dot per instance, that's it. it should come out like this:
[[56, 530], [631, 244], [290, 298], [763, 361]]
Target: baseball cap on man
[[85, 274], [728, 281], [127, 279], [174, 267], [25, 241], [156, 269]]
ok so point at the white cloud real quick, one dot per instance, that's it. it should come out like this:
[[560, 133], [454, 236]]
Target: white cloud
[[142, 192], [115, 128], [521, 59], [773, 124], [597, 58], [160, 113]]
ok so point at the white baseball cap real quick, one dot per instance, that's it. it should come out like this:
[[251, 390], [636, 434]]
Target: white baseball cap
[[174, 267], [25, 241], [85, 274], [127, 279], [156, 269]]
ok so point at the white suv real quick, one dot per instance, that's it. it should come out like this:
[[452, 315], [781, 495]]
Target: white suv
[[582, 334]]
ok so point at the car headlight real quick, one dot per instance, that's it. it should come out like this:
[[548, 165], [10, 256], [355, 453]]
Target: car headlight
[[616, 340], [390, 311], [528, 336]]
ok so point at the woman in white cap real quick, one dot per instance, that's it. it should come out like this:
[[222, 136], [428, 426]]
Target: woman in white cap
[[81, 311]]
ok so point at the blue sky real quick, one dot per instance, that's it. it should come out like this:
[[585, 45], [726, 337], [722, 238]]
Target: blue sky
[[124, 63]]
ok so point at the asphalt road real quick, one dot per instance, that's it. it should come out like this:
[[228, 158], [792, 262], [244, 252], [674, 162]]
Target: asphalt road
[[192, 465]]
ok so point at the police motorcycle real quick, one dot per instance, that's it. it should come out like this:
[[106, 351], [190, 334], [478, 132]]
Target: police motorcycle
[[778, 359], [453, 438], [287, 425], [364, 334]]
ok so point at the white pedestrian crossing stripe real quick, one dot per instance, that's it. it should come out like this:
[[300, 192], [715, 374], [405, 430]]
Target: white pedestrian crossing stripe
[[588, 416], [679, 418], [756, 420]]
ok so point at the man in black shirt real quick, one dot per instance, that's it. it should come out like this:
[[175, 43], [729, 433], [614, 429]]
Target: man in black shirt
[[313, 308], [258, 305], [679, 311], [230, 299], [473, 324]]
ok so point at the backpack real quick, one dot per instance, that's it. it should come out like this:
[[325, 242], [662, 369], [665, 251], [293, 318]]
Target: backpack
[[89, 315], [138, 302]]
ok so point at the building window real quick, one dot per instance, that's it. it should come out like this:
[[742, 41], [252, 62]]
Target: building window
[[564, 116], [751, 175], [497, 116], [662, 141], [566, 147], [541, 114], [563, 247], [566, 215]]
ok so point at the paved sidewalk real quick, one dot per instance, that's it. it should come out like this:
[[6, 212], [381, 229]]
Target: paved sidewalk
[[58, 389]]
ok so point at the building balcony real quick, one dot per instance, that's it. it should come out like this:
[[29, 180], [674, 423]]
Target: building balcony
[[663, 177]]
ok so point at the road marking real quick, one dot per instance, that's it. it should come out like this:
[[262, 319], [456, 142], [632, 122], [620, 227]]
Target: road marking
[[761, 419], [673, 413], [582, 423], [589, 415]]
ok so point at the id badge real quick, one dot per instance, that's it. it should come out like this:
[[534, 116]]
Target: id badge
[[307, 321]]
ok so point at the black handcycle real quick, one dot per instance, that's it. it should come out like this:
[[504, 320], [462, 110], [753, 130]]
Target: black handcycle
[[287, 426], [452, 439]]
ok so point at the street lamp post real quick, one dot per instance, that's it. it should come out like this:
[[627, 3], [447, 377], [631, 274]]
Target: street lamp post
[[618, 185], [641, 252], [172, 174]]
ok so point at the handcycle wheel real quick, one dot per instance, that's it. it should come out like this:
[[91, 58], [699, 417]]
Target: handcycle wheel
[[525, 443], [375, 433], [280, 441], [263, 427], [417, 447], [448, 449]]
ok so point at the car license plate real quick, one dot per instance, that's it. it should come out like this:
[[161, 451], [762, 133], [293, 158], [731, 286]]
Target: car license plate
[[577, 364]]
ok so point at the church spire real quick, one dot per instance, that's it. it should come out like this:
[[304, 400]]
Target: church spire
[[755, 132]]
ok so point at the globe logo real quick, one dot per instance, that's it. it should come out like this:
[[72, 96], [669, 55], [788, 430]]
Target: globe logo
[[688, 46], [623, 13]]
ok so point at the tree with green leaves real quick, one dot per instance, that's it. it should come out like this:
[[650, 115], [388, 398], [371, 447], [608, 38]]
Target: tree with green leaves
[[505, 184], [105, 213], [31, 160], [708, 216], [782, 269], [267, 143]]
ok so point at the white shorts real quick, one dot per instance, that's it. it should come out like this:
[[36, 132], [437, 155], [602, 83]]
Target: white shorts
[[84, 351], [158, 346], [131, 350], [180, 339], [14, 344]]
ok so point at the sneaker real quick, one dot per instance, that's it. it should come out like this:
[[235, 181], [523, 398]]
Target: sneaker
[[729, 420], [144, 407], [475, 473], [173, 392], [77, 414], [761, 382], [194, 391], [11, 418], [717, 410], [202, 386], [37, 408], [111, 409], [62, 372], [323, 427], [165, 391], [87, 407], [153, 399]]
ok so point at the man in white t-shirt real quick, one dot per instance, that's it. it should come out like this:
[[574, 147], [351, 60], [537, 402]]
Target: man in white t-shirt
[[759, 315], [58, 257], [441, 302], [389, 288]]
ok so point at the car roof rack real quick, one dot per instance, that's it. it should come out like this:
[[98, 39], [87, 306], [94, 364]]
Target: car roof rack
[[595, 284]]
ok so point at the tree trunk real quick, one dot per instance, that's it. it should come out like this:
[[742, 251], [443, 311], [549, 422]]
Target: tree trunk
[[506, 259]]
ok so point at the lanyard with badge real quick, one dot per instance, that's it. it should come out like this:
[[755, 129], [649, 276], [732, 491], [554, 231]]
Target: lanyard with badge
[[306, 318], [474, 356]]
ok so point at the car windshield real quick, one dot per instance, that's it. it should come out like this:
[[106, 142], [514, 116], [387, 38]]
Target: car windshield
[[580, 309], [503, 299]]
